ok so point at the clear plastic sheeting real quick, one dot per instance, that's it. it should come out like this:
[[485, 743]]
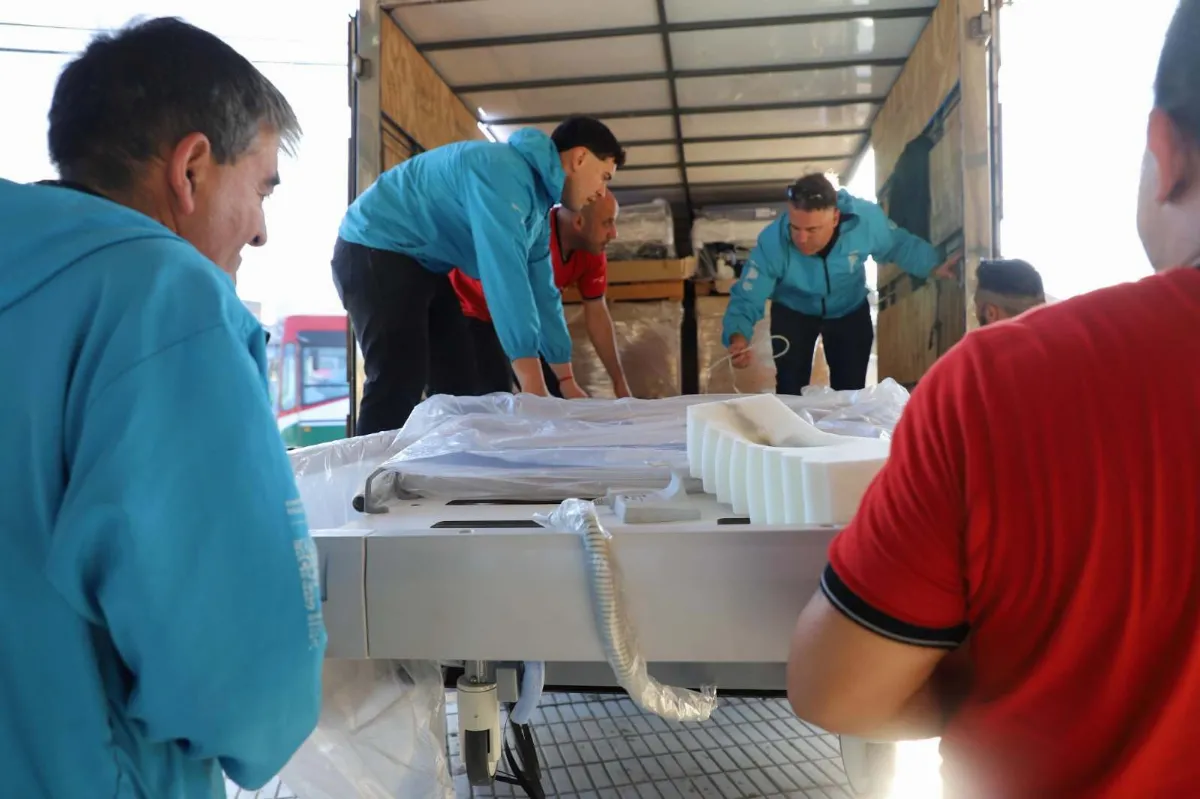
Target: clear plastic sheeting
[[613, 625], [329, 475], [723, 237], [506, 446], [717, 373], [645, 232], [380, 734], [381, 730], [648, 343]]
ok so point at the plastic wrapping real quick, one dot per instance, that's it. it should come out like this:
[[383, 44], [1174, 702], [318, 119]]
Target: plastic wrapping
[[506, 446], [381, 733], [648, 341], [717, 375], [645, 231], [722, 238], [613, 625]]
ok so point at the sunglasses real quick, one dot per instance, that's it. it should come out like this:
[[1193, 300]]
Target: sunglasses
[[798, 196]]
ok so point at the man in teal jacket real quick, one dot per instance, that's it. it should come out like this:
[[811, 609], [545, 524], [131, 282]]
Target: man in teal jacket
[[162, 615], [484, 208], [811, 265]]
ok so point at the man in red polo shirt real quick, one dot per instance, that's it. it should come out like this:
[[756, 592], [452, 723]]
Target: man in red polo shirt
[[1043, 498], [577, 242]]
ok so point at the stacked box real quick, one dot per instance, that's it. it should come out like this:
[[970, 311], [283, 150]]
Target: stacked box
[[648, 341]]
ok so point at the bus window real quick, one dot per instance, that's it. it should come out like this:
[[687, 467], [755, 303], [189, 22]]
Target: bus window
[[323, 366], [287, 388]]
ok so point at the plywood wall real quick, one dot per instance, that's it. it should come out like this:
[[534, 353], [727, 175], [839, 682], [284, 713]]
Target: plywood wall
[[919, 322], [929, 75], [415, 98]]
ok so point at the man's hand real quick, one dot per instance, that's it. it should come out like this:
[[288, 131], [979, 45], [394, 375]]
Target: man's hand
[[567, 385], [949, 268], [529, 376], [739, 351], [570, 389], [621, 389]]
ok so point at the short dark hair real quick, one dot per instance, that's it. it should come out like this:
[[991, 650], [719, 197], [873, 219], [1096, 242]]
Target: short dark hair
[[584, 131], [138, 91], [1177, 82], [1010, 277], [813, 192]]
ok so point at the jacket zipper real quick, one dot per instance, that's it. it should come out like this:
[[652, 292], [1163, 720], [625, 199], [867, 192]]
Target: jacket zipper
[[828, 286]]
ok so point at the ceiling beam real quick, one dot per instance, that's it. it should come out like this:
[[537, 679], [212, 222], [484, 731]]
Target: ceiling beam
[[780, 185], [669, 61], [808, 134], [679, 74], [673, 27], [706, 109], [746, 162]]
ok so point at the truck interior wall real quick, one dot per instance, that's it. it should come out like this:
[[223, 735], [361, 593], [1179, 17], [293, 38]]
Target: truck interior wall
[[909, 313], [414, 99], [941, 94], [402, 107]]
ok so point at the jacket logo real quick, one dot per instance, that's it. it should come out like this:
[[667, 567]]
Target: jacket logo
[[853, 259], [748, 276]]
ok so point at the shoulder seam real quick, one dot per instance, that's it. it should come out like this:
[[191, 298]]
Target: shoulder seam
[[151, 356]]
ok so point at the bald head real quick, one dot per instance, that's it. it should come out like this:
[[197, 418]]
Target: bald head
[[593, 227]]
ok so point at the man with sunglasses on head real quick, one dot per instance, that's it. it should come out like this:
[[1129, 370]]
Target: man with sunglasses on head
[[811, 265]]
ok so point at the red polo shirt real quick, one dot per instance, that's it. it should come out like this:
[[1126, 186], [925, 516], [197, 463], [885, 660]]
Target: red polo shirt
[[587, 271], [1043, 493]]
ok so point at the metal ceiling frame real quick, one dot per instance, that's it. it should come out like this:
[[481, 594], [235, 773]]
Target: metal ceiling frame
[[744, 162], [808, 134], [669, 61], [678, 74], [663, 29], [838, 102], [675, 27]]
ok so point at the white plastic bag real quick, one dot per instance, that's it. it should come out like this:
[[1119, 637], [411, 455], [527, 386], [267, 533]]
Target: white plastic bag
[[380, 736]]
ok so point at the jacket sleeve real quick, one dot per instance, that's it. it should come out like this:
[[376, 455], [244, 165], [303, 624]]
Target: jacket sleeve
[[183, 534], [555, 338], [502, 254], [749, 295], [895, 245]]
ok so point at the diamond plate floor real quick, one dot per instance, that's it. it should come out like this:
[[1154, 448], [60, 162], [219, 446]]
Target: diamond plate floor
[[603, 747], [595, 746]]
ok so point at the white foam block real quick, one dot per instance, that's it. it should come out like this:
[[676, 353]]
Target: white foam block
[[765, 419], [725, 439], [793, 485], [738, 498], [773, 484], [756, 497], [835, 479], [698, 417], [708, 468]]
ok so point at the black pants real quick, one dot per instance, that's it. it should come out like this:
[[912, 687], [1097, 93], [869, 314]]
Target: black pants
[[848, 341], [493, 369], [410, 328]]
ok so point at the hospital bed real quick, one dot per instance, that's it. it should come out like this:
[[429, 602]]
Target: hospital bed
[[449, 543]]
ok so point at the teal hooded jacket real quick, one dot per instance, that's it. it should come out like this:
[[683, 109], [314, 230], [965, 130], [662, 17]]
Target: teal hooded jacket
[[163, 617], [829, 287], [483, 207]]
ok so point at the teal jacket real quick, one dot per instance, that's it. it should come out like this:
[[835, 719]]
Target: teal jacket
[[163, 618], [829, 287], [483, 207]]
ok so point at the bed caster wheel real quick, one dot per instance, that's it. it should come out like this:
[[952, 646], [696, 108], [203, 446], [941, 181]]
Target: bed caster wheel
[[870, 767], [479, 729]]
